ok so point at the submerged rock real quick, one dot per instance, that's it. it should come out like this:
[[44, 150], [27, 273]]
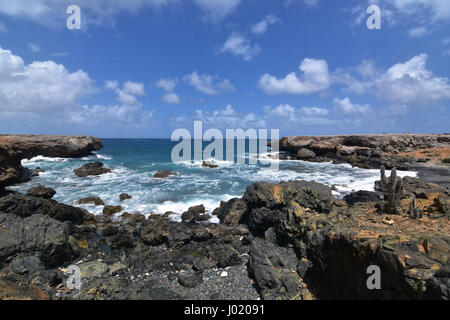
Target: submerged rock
[[91, 200], [210, 164], [164, 174], [124, 197]]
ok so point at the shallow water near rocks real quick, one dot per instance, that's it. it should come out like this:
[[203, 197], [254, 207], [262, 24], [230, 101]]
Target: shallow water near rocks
[[135, 161]]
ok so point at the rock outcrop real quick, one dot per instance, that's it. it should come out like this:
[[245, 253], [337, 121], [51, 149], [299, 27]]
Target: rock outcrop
[[315, 246], [370, 151], [91, 169], [14, 148]]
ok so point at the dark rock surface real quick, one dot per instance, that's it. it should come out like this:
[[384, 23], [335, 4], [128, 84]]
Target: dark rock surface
[[362, 196], [164, 174], [41, 192], [124, 197], [14, 148], [92, 200], [27, 206], [365, 151], [91, 169], [290, 240]]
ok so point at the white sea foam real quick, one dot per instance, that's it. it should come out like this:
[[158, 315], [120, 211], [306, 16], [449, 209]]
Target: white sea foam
[[192, 186]]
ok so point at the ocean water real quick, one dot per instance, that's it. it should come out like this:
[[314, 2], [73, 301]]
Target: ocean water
[[135, 161]]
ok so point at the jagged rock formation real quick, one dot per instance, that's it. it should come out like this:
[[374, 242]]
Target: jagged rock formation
[[366, 151], [14, 148]]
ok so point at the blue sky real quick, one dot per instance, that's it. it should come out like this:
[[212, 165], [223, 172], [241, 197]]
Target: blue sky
[[142, 68]]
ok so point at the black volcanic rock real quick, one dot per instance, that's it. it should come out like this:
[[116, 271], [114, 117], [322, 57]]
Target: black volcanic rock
[[91, 169], [26, 206], [362, 196], [14, 148], [41, 192]]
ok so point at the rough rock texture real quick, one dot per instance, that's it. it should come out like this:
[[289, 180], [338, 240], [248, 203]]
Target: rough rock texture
[[367, 151], [315, 247], [41, 192], [91, 169], [14, 148], [92, 200], [164, 174], [291, 240], [26, 206]]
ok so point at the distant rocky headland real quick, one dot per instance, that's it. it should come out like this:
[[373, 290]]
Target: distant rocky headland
[[291, 240], [14, 148]]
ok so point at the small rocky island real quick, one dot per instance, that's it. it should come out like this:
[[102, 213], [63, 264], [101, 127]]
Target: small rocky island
[[291, 240]]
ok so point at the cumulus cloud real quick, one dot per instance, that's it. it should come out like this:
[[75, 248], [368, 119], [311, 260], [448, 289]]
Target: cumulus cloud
[[216, 10], [209, 84], [52, 12], [404, 83], [44, 90], [241, 47], [261, 27], [39, 86], [288, 115], [34, 47], [346, 107], [168, 85], [228, 118], [314, 78]]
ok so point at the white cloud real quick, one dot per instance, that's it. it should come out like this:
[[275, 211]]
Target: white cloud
[[418, 32], [52, 12], [261, 27], [288, 115], [404, 83], [207, 83], [239, 46], [168, 85], [171, 98], [447, 53], [134, 88], [39, 86], [310, 3], [412, 83], [314, 78], [118, 115], [111, 85], [46, 91], [229, 118], [34, 47], [314, 111], [439, 9], [346, 107], [217, 9], [283, 111]]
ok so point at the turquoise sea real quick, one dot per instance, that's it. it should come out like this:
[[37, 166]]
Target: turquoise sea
[[135, 161]]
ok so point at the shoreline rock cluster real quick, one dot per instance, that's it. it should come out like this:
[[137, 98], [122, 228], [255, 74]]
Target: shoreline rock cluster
[[15, 148], [368, 151], [291, 240]]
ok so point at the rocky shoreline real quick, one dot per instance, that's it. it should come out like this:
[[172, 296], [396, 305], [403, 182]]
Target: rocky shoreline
[[291, 240], [15, 148], [401, 151]]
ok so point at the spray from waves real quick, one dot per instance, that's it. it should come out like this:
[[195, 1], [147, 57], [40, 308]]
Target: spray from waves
[[41, 159], [133, 168]]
